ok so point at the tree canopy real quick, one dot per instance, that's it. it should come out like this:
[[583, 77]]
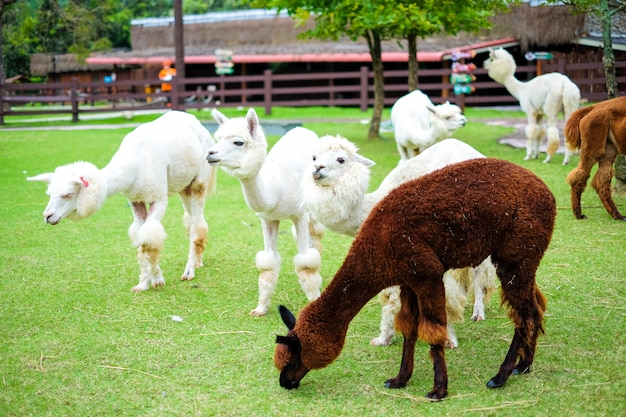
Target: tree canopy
[[80, 26], [387, 20]]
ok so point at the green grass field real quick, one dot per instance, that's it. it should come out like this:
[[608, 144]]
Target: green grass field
[[75, 341]]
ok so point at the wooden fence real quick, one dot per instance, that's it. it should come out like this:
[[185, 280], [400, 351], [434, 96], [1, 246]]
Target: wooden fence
[[267, 90]]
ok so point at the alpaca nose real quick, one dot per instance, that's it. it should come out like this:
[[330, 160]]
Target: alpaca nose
[[211, 159], [317, 174]]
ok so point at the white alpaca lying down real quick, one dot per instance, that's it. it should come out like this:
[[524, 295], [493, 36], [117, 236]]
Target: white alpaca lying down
[[271, 187], [336, 197], [418, 123], [156, 159]]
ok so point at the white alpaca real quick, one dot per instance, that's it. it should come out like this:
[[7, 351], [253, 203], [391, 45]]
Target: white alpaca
[[418, 123], [156, 159], [271, 185], [545, 95], [336, 197]]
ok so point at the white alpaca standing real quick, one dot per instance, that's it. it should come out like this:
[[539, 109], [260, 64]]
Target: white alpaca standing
[[156, 159], [545, 95], [271, 185], [336, 197], [418, 123]]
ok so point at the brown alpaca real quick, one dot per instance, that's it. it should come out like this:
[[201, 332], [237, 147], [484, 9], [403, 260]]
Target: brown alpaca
[[452, 218], [599, 131]]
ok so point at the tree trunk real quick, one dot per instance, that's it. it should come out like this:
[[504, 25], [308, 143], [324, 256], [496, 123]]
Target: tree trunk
[[608, 59], [413, 66], [373, 41], [3, 4]]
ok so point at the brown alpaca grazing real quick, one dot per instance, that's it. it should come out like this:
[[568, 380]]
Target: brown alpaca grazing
[[452, 218], [599, 131]]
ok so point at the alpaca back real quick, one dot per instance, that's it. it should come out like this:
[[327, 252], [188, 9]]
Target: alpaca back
[[161, 157], [485, 206], [441, 154]]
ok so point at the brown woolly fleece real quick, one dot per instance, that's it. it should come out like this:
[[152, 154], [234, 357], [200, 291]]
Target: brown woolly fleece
[[452, 218], [599, 131]]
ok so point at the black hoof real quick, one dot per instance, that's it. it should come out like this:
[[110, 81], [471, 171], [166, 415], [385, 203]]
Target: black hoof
[[495, 384], [519, 371], [393, 385], [433, 397]]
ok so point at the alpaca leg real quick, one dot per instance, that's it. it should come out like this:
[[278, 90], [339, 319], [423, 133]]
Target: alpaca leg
[[268, 263], [601, 181], [197, 230], [553, 142], [403, 151], [308, 261], [534, 134], [484, 283], [577, 179], [431, 329], [390, 300], [316, 233], [144, 253], [456, 300], [406, 322], [151, 237], [526, 306]]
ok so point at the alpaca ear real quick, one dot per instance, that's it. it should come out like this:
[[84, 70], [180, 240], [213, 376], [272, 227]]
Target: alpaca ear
[[253, 122], [47, 177], [219, 117], [288, 318], [363, 160], [292, 343]]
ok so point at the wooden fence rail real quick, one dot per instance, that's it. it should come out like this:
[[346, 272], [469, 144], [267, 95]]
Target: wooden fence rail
[[267, 90]]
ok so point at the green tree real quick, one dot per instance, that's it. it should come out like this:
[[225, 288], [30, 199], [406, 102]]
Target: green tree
[[386, 20]]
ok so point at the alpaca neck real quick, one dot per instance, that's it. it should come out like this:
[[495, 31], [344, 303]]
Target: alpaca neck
[[115, 179], [514, 86], [325, 321], [257, 194]]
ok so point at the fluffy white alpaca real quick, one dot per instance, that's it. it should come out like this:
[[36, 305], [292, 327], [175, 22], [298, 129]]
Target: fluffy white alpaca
[[156, 159], [271, 185], [418, 123], [543, 96], [336, 197]]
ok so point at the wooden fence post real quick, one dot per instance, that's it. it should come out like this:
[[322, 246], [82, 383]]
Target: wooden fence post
[[364, 90], [74, 98], [267, 91]]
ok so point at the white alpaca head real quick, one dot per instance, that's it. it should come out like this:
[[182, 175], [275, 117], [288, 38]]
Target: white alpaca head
[[240, 147], [76, 191], [334, 157], [449, 116], [500, 65]]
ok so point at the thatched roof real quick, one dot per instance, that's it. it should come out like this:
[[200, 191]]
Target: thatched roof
[[44, 64], [539, 26]]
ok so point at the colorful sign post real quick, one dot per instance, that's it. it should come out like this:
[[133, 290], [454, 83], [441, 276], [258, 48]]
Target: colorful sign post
[[224, 62], [462, 77]]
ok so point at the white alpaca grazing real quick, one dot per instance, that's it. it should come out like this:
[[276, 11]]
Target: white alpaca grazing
[[545, 95], [271, 185], [418, 123], [156, 159], [336, 197]]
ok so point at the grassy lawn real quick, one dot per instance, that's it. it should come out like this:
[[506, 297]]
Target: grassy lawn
[[77, 342]]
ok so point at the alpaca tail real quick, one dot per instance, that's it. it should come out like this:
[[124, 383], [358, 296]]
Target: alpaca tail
[[572, 128]]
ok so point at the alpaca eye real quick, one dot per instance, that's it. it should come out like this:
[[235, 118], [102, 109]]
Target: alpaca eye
[[314, 158], [66, 196], [238, 143], [341, 160]]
